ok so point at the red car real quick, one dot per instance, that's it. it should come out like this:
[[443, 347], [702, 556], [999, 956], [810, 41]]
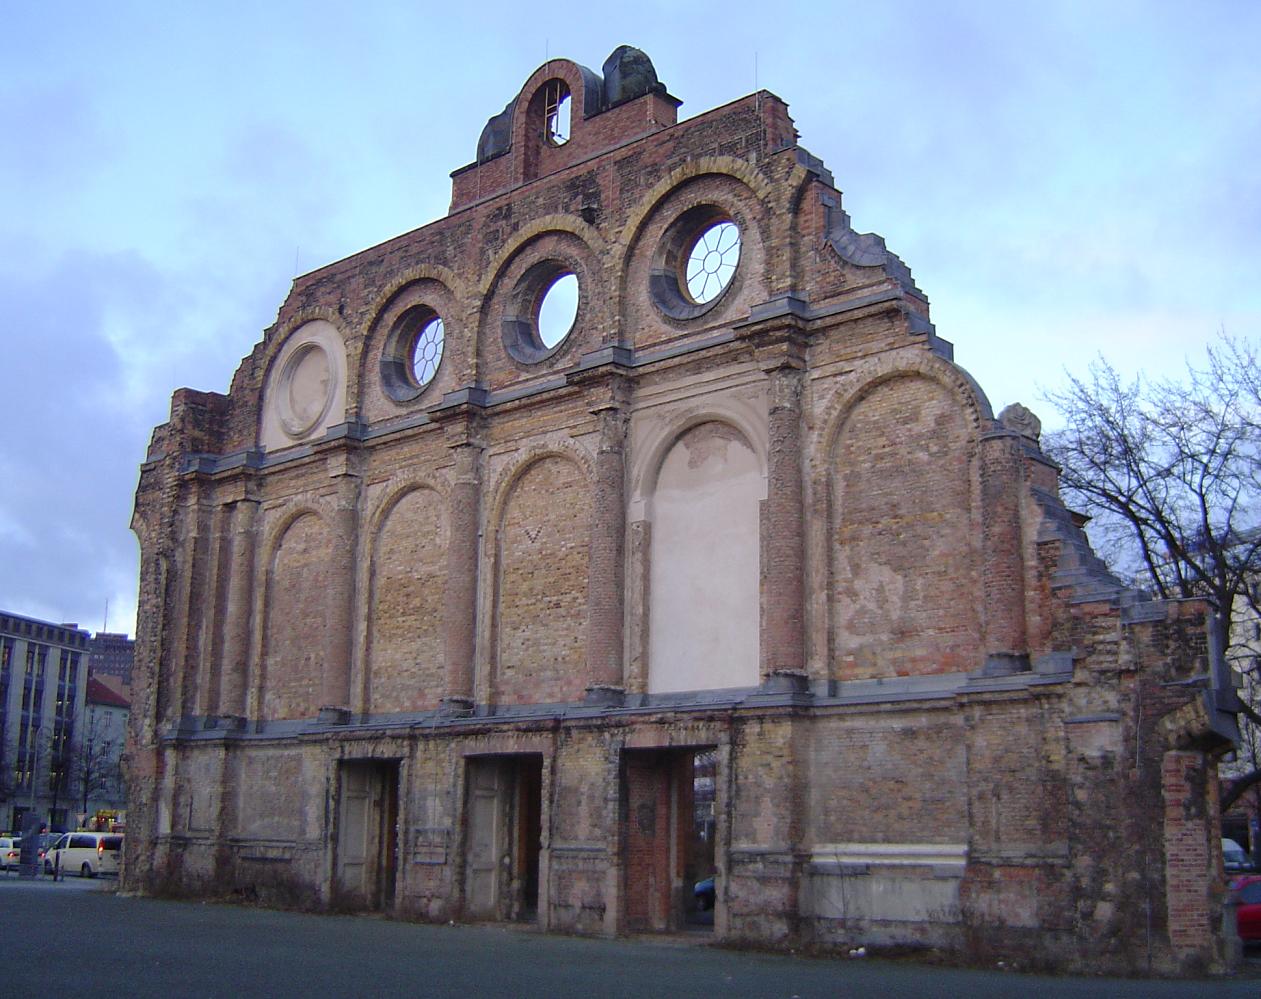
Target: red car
[[1247, 891]]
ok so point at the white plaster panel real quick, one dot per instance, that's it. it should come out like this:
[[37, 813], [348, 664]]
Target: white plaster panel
[[889, 882], [892, 896], [306, 387], [704, 575]]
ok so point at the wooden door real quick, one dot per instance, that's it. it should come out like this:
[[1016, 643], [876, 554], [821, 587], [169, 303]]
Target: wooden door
[[353, 830], [365, 834], [649, 821], [486, 859]]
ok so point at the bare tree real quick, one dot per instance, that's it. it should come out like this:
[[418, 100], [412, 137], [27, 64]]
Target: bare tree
[[1170, 473], [95, 770], [82, 762]]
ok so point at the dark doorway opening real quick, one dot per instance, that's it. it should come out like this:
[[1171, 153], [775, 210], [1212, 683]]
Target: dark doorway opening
[[367, 834], [668, 838], [505, 822]]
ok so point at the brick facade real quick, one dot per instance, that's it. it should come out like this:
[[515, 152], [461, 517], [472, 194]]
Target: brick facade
[[451, 647]]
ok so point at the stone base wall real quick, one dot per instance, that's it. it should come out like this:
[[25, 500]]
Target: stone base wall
[[808, 854]]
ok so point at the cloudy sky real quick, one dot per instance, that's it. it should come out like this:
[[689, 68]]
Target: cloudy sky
[[1073, 179]]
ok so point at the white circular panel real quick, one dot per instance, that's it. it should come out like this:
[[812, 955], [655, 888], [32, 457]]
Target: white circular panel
[[306, 389]]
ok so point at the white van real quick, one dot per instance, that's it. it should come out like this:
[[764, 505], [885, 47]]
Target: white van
[[10, 852], [84, 853], [1235, 858]]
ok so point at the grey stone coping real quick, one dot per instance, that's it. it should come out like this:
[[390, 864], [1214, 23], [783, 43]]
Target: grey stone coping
[[750, 700]]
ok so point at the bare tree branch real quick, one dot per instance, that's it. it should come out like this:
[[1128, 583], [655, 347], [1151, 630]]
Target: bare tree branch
[[1170, 474]]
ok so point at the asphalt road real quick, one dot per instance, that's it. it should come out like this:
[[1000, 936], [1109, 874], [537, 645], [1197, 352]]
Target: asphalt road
[[88, 941]]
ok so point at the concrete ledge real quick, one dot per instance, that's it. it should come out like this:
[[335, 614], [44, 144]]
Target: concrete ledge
[[953, 856]]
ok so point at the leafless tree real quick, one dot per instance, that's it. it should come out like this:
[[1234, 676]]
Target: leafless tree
[[81, 762], [1170, 473], [95, 769]]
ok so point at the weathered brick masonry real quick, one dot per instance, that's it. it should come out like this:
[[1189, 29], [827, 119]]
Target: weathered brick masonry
[[743, 579]]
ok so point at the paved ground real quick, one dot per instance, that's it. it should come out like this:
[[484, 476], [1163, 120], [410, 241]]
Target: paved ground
[[91, 942]]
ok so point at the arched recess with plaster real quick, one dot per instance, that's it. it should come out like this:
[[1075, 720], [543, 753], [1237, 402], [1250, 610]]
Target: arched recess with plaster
[[541, 543], [697, 504], [295, 617], [903, 535], [406, 590]]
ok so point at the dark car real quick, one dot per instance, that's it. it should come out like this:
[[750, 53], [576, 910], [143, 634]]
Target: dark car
[[1247, 892], [704, 892]]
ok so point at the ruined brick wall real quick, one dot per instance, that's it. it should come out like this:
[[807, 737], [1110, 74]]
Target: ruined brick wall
[[904, 545], [408, 584], [541, 591], [777, 525], [294, 641]]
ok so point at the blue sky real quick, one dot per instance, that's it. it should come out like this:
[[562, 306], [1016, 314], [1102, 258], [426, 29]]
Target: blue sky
[[1063, 179]]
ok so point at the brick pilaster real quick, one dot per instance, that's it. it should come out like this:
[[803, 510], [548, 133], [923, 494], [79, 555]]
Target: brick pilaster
[[1003, 574], [606, 566], [237, 628], [335, 689], [1189, 869], [188, 646], [461, 595], [785, 522]]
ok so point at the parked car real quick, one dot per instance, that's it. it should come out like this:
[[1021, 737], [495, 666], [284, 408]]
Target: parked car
[[84, 853], [10, 852], [1247, 892], [704, 892], [1235, 858]]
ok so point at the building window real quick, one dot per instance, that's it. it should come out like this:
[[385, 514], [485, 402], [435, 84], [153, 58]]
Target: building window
[[556, 113], [696, 262], [427, 351], [558, 308], [306, 389], [412, 353], [711, 262], [543, 311]]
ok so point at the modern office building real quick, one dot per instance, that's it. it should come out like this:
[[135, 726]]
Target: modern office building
[[111, 655], [43, 686]]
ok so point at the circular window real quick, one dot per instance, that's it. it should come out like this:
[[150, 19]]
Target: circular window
[[542, 311], [696, 262], [306, 389], [412, 353], [558, 309], [711, 263], [427, 351]]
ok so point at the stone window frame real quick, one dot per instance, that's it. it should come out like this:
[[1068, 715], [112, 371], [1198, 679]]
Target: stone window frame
[[398, 377], [520, 322], [667, 276], [399, 311]]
